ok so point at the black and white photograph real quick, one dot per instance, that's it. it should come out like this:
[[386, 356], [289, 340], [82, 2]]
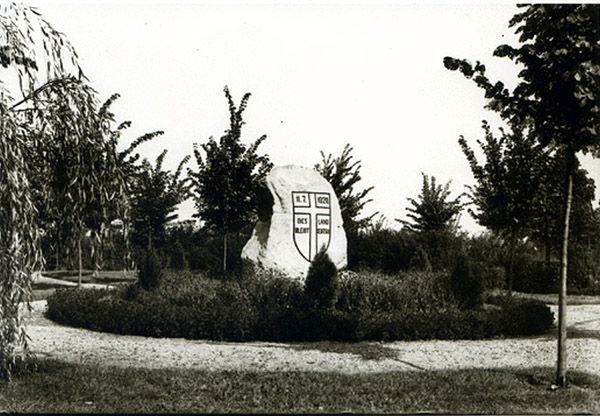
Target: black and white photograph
[[317, 206]]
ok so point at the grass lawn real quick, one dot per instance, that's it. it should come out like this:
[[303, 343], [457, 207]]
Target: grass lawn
[[552, 298], [68, 388], [102, 276]]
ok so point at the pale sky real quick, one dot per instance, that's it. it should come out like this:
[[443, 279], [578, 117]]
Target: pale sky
[[321, 74]]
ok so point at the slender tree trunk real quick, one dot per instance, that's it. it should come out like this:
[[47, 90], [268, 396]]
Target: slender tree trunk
[[225, 252], [79, 259], [511, 260], [561, 364], [94, 255], [56, 266]]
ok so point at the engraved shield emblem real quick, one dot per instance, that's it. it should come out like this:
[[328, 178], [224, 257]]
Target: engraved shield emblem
[[311, 222]]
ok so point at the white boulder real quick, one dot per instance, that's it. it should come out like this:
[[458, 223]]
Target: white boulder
[[298, 215]]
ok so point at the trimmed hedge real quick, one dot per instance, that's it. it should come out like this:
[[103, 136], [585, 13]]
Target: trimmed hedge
[[367, 307]]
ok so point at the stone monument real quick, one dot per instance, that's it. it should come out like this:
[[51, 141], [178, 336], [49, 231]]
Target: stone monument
[[299, 214]]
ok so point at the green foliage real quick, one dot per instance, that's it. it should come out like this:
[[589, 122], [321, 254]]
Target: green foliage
[[321, 281], [343, 175], [150, 270], [433, 211], [228, 177]]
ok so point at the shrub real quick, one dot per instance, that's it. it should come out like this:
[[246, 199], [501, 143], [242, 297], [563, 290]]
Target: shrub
[[321, 281], [522, 316], [177, 256], [150, 270], [384, 250], [272, 308], [466, 284], [536, 276], [278, 302]]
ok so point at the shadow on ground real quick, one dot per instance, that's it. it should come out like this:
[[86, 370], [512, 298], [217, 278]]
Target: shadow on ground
[[368, 351]]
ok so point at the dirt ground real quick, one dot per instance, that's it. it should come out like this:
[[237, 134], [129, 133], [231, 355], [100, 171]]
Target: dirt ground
[[83, 346]]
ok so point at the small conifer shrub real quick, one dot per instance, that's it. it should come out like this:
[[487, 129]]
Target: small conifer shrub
[[150, 270], [466, 284], [321, 282]]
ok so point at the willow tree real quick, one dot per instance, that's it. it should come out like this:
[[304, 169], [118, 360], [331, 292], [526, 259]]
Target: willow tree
[[45, 105], [557, 99]]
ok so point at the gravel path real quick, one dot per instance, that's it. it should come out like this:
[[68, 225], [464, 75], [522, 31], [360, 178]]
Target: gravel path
[[84, 346]]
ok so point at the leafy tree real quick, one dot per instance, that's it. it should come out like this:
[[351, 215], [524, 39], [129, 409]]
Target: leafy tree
[[61, 112], [556, 99], [344, 174], [81, 158], [434, 225], [507, 189], [228, 177], [433, 211], [547, 227], [155, 196]]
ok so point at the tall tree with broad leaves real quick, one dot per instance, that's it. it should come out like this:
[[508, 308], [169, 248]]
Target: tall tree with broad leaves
[[228, 177], [433, 211], [557, 99], [506, 193], [344, 174], [155, 196], [59, 111]]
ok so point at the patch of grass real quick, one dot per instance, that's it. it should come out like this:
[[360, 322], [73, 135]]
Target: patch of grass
[[552, 298], [102, 276], [57, 387]]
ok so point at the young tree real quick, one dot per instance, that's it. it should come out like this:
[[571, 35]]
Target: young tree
[[433, 211], [547, 221], [87, 183], [344, 174], [155, 196], [434, 226], [556, 99], [507, 190], [228, 177]]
